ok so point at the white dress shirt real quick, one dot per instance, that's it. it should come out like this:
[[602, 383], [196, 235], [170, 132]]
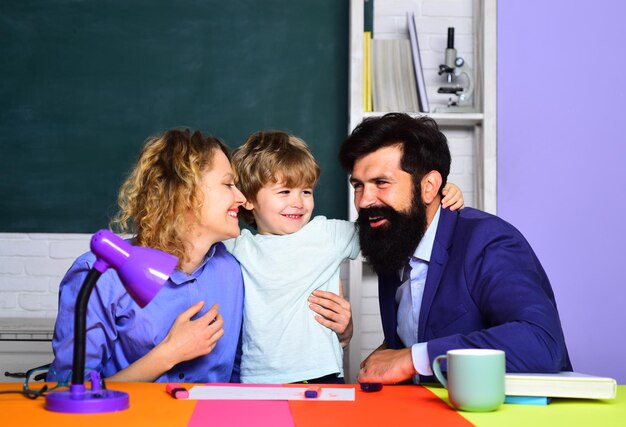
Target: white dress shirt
[[409, 299]]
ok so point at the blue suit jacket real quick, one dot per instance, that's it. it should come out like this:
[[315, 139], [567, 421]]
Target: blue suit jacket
[[485, 289]]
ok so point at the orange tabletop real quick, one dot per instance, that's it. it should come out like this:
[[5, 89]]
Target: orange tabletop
[[150, 405]]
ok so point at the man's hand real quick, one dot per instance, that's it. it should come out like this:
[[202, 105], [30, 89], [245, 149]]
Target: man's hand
[[387, 366]]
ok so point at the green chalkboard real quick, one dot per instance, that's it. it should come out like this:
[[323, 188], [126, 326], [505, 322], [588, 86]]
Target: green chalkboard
[[84, 83]]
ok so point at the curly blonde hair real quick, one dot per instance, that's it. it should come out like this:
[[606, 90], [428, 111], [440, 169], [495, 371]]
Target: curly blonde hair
[[163, 187], [272, 156]]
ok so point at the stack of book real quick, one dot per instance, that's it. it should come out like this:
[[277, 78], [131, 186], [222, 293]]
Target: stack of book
[[393, 78], [539, 388]]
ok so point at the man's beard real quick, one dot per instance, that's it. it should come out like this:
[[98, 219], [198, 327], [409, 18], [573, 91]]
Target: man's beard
[[389, 246]]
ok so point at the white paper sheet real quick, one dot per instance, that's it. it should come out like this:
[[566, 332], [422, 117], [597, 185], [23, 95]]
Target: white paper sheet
[[209, 392]]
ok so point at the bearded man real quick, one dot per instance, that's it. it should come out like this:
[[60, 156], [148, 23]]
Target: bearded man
[[447, 279]]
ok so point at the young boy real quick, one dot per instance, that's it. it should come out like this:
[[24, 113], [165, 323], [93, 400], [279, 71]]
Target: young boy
[[289, 258]]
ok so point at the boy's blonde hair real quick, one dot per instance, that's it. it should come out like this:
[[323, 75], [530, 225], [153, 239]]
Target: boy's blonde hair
[[272, 156], [163, 187]]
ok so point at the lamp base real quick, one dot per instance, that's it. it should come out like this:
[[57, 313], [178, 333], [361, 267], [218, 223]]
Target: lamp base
[[87, 401]]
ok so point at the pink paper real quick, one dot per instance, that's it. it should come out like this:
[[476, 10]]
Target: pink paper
[[235, 413]]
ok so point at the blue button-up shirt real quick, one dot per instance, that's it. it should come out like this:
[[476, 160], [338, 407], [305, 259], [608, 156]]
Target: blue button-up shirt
[[119, 332], [409, 298]]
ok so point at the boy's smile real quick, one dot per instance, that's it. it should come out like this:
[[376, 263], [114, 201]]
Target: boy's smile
[[281, 210], [292, 216]]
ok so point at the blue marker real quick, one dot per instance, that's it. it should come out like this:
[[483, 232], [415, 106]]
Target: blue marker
[[370, 387], [312, 392]]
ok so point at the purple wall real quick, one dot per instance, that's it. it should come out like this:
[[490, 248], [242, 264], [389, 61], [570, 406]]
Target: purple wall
[[561, 162]]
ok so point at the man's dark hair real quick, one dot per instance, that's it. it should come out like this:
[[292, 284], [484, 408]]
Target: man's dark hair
[[423, 145]]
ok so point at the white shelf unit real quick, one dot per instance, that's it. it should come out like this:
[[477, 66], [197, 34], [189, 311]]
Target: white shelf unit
[[481, 125]]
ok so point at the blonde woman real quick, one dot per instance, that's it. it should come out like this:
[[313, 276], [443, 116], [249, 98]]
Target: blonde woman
[[180, 198]]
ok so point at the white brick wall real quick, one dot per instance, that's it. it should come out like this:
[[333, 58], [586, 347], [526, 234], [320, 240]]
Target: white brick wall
[[31, 267], [462, 173]]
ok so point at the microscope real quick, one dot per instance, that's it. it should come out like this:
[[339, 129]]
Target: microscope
[[454, 68]]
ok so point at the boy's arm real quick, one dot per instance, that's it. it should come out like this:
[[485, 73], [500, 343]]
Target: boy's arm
[[334, 312]]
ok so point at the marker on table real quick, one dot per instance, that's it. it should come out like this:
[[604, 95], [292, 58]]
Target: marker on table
[[312, 392], [370, 387], [177, 391]]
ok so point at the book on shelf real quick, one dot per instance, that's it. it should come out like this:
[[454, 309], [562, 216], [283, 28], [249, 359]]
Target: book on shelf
[[367, 71], [368, 16], [393, 81], [417, 63], [562, 384]]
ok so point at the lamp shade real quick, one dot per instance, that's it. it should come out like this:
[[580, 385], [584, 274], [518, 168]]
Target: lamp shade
[[142, 270]]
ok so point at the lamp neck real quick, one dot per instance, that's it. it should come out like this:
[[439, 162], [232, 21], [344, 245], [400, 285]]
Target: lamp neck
[[80, 326]]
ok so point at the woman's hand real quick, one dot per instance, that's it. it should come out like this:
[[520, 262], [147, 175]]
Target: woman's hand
[[334, 312], [452, 197], [188, 339]]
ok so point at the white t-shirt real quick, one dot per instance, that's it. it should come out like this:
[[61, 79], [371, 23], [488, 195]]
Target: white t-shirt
[[282, 341]]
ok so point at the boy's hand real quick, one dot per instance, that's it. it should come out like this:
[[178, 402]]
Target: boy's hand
[[334, 312], [452, 197]]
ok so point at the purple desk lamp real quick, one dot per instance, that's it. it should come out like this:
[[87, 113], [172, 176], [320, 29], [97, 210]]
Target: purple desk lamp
[[143, 271]]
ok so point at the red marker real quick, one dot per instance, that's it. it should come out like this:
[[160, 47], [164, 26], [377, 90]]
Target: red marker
[[177, 391]]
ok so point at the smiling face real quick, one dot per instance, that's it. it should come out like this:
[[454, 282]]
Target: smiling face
[[379, 181], [221, 201], [392, 216], [281, 210]]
